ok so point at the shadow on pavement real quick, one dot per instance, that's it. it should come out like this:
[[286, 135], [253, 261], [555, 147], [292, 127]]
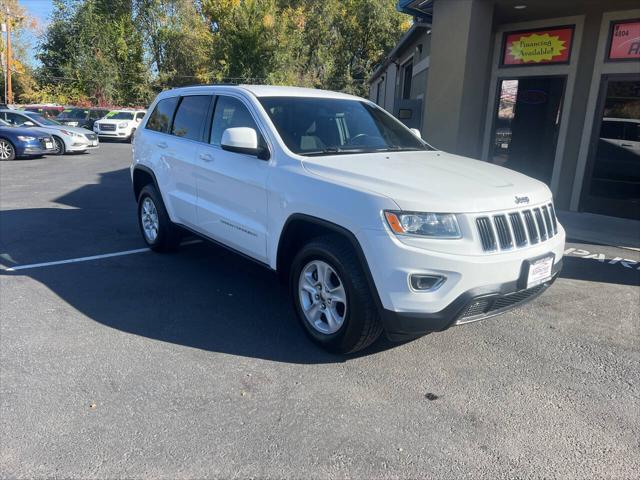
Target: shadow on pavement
[[202, 296]]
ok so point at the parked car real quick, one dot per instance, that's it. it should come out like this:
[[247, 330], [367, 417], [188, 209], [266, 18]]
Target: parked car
[[372, 229], [66, 138], [622, 132], [81, 117], [17, 142], [47, 111], [121, 124]]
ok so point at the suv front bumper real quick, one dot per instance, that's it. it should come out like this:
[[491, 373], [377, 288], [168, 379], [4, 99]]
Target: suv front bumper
[[477, 286], [471, 306]]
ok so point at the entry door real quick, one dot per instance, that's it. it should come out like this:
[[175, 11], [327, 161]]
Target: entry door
[[232, 195], [526, 125], [612, 178]]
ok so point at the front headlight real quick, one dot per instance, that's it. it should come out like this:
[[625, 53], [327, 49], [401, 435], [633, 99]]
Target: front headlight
[[25, 138], [437, 225], [123, 125]]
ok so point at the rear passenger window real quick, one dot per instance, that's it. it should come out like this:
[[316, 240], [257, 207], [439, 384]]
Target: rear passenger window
[[160, 119], [230, 113], [191, 117]]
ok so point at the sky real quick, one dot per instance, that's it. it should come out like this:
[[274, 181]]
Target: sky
[[41, 10]]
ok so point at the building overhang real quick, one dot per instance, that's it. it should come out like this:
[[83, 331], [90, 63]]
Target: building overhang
[[422, 9]]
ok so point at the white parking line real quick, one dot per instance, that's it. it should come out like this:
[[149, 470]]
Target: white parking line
[[88, 259]]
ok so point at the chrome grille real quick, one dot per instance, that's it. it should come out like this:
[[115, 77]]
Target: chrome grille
[[107, 127], [540, 223], [517, 229], [486, 234], [504, 235]]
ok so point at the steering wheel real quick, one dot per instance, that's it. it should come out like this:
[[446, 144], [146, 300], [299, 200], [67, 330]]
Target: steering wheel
[[356, 140]]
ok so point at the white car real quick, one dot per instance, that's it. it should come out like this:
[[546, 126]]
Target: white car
[[121, 124], [372, 229], [66, 138]]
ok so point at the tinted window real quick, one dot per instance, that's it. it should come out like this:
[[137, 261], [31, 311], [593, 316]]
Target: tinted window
[[632, 132], [231, 113], [160, 119], [328, 125], [120, 115], [139, 115], [15, 119], [191, 116]]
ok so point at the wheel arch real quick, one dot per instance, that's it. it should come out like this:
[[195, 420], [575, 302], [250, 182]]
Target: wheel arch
[[299, 229], [143, 176]]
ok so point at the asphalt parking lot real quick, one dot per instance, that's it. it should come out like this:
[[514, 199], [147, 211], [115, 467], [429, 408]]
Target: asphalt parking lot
[[192, 365]]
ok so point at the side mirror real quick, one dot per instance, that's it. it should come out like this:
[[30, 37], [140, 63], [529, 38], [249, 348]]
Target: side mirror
[[243, 140], [416, 132]]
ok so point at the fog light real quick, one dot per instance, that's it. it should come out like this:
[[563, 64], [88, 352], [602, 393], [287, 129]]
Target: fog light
[[426, 283]]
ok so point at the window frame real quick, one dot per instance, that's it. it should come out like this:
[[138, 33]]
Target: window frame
[[203, 127], [155, 106], [260, 128]]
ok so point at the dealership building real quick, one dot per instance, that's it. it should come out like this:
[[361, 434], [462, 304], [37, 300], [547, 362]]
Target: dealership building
[[550, 88]]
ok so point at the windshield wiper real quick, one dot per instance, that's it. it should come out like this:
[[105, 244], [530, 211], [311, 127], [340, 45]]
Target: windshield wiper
[[337, 150]]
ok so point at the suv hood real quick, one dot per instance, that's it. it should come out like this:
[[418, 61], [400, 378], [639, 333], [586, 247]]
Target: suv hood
[[431, 180]]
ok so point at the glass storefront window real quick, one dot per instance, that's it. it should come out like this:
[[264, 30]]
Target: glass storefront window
[[526, 125], [613, 181]]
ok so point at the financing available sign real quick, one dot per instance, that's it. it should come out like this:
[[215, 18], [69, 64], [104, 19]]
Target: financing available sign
[[537, 47]]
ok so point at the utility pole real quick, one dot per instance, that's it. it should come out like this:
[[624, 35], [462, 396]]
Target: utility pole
[[9, 90]]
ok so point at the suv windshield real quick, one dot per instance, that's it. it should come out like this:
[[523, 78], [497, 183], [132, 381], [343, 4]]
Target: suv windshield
[[320, 126], [40, 119], [120, 116], [73, 114]]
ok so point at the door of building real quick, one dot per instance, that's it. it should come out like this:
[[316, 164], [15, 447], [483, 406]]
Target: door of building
[[612, 178], [526, 124]]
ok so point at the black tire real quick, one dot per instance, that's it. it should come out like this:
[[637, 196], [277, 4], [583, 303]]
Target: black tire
[[7, 147], [61, 149], [361, 326], [130, 139], [168, 234]]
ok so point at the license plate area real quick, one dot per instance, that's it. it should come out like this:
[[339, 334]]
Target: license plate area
[[536, 271], [48, 145]]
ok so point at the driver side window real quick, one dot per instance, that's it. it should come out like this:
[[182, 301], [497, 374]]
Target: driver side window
[[230, 113], [17, 120]]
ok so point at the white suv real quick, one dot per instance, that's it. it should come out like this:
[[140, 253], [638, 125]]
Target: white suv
[[120, 124], [372, 229]]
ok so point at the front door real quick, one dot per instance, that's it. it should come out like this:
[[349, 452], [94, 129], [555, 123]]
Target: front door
[[526, 125], [232, 195], [612, 178]]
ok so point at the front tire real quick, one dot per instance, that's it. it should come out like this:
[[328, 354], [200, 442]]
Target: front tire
[[7, 150], [158, 232], [332, 298], [61, 149]]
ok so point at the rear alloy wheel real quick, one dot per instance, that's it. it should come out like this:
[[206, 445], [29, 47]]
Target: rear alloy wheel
[[159, 233], [7, 152], [60, 148]]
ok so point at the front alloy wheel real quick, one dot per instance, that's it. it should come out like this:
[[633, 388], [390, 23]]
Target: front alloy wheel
[[323, 297], [7, 152], [59, 148]]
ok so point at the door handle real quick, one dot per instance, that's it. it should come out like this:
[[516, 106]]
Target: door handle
[[206, 157], [161, 144]]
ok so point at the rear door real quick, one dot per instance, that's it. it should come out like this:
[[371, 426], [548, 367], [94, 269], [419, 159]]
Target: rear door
[[232, 197], [172, 161]]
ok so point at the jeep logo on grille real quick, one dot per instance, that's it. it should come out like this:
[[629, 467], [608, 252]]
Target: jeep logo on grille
[[520, 200]]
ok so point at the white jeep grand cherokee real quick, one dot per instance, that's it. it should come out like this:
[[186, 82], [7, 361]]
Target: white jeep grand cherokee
[[372, 229]]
